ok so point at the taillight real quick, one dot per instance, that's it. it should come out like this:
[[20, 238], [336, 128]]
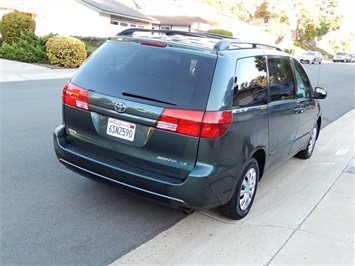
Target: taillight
[[215, 124], [75, 96], [181, 121], [195, 123]]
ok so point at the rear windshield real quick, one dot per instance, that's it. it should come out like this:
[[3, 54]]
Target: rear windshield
[[179, 78]]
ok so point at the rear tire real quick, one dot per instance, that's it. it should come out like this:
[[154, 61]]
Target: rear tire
[[308, 151], [242, 200]]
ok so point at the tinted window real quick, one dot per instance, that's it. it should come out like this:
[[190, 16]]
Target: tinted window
[[281, 81], [161, 73], [303, 89], [251, 82]]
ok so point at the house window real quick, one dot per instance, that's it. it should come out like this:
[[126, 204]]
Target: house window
[[123, 24], [165, 27], [133, 25], [114, 22]]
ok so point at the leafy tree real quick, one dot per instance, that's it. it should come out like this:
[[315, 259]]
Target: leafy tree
[[343, 44], [312, 19], [311, 27], [242, 10], [13, 23], [262, 11], [275, 15]]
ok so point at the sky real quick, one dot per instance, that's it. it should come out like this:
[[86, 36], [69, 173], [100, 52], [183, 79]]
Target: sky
[[347, 9]]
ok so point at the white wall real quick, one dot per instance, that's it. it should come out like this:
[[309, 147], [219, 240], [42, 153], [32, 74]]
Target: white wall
[[63, 17], [70, 17]]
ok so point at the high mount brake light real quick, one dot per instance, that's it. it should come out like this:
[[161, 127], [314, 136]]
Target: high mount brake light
[[75, 96], [153, 43], [208, 125]]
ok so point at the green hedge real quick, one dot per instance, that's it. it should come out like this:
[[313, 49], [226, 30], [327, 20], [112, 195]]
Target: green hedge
[[221, 32], [28, 48]]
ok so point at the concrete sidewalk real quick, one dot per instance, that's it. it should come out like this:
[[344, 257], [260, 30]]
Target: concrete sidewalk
[[18, 71], [303, 214]]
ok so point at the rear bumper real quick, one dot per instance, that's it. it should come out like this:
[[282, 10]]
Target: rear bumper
[[206, 187]]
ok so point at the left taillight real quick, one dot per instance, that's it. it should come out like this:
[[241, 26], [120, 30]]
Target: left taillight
[[75, 96]]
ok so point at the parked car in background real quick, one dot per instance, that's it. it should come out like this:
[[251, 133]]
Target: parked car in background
[[311, 57], [192, 120], [343, 57], [352, 57]]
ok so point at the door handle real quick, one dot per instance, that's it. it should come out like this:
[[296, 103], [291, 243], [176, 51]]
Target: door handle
[[299, 108]]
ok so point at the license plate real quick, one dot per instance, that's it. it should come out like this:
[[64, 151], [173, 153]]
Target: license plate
[[120, 129]]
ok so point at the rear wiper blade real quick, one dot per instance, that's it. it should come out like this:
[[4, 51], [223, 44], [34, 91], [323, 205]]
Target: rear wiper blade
[[145, 98]]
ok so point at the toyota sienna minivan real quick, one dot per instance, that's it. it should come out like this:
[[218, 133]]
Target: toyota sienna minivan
[[192, 120]]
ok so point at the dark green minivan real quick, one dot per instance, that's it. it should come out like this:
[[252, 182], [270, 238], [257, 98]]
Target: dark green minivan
[[192, 120]]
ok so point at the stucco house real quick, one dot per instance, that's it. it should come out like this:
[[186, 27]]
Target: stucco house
[[104, 18], [193, 15], [99, 18], [183, 22]]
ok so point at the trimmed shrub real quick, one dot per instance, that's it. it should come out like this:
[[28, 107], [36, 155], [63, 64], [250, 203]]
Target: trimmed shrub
[[91, 43], [66, 51], [12, 24], [28, 48], [221, 32]]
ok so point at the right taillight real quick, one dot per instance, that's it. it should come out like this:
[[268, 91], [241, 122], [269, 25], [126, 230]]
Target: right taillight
[[215, 124], [75, 96], [208, 125]]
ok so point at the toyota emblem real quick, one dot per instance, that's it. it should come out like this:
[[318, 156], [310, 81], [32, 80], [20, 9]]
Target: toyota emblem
[[120, 107]]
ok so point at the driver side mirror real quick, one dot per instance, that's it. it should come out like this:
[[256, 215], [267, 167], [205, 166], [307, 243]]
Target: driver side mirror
[[320, 93]]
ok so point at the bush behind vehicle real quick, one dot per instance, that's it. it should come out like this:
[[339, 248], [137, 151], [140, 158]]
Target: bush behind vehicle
[[28, 48], [13, 24], [65, 51], [19, 42]]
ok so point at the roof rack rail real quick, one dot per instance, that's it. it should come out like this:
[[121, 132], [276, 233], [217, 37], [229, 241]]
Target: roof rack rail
[[227, 43], [129, 32], [222, 42]]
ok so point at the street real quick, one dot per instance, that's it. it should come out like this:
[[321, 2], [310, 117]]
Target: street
[[51, 216]]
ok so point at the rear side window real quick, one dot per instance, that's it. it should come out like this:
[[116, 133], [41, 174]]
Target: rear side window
[[281, 82], [146, 73], [250, 82]]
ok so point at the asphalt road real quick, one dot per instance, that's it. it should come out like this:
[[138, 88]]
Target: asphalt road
[[51, 216], [339, 80]]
